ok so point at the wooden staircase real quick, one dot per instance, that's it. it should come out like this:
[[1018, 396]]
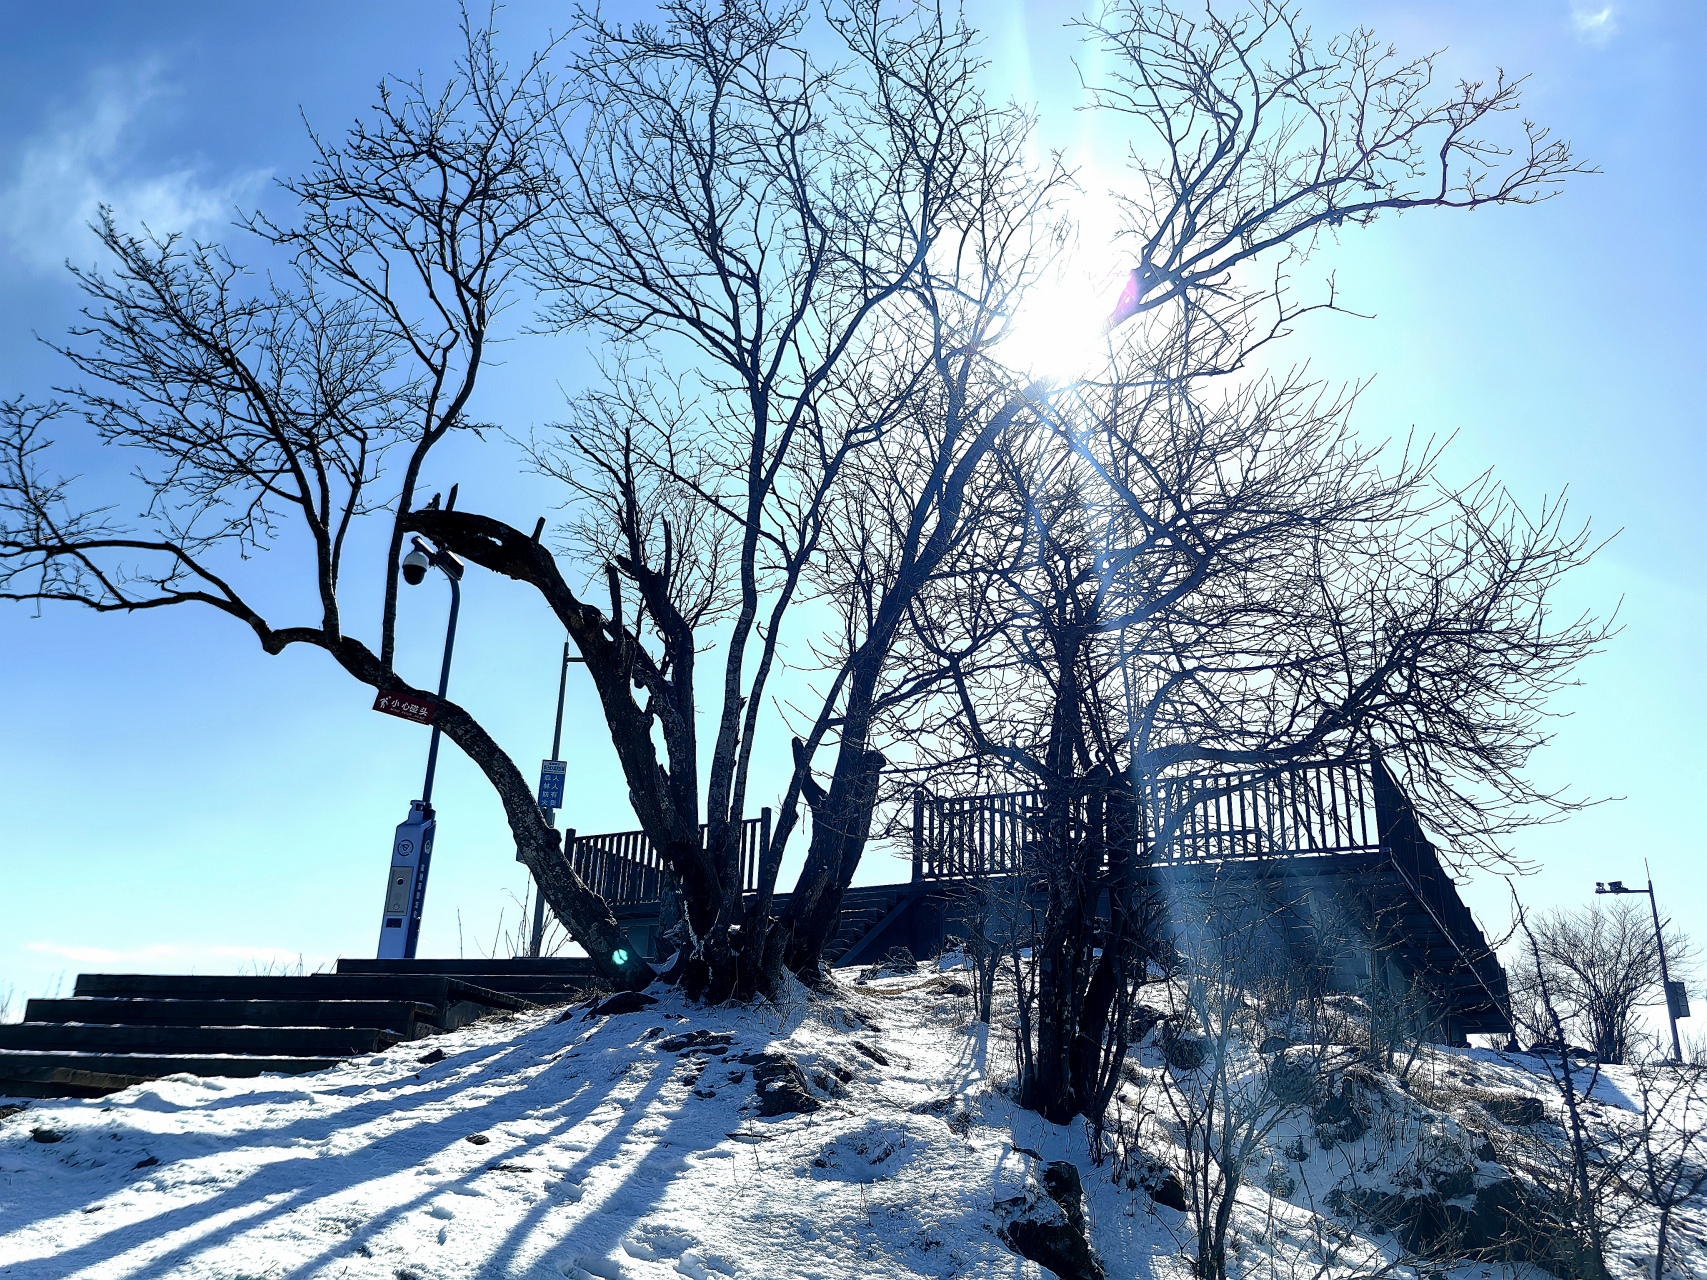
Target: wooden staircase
[[866, 915], [121, 1029]]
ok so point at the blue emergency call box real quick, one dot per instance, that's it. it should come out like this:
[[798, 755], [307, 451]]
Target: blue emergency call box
[[406, 883]]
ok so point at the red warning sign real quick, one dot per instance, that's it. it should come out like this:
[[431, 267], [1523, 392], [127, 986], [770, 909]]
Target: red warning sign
[[407, 706]]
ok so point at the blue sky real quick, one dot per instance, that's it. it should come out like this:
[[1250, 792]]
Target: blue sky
[[171, 798]]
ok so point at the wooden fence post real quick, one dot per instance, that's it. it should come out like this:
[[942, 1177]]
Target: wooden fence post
[[763, 850], [919, 795]]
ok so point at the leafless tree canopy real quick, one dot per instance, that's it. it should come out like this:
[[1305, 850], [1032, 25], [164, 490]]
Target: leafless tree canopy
[[1598, 965], [803, 238]]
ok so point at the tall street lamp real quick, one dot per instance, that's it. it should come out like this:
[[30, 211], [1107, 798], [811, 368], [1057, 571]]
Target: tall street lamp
[[412, 846], [552, 774], [1677, 1000]]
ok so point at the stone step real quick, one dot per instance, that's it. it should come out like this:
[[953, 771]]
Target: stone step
[[547, 980], [274, 1041], [567, 968], [408, 1018], [36, 1074], [431, 989]]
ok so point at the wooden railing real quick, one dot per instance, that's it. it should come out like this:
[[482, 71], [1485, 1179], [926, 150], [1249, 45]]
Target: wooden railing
[[625, 869], [1303, 809], [963, 837], [1296, 810]]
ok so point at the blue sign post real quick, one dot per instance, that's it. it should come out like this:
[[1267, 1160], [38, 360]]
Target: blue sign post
[[551, 776]]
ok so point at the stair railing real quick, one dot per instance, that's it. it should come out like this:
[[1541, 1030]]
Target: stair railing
[[626, 869]]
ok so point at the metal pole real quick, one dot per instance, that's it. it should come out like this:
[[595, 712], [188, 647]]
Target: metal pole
[[550, 814], [1665, 974], [562, 685], [444, 684]]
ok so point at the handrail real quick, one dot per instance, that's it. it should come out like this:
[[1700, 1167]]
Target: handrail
[[1289, 812], [626, 869], [1316, 807]]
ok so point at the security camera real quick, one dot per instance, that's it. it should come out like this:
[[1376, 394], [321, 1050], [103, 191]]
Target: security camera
[[415, 567]]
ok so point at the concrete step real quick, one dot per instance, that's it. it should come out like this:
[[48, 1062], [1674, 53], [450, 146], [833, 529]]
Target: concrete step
[[431, 989], [408, 1018], [274, 1041], [565, 968], [37, 1074], [547, 980]]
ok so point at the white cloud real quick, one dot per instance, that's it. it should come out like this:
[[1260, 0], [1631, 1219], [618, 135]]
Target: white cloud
[[1594, 25], [82, 160]]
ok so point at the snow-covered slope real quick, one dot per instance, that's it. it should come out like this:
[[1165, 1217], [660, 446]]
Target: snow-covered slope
[[627, 1146]]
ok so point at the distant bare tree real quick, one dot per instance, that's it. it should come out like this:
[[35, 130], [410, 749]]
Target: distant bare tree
[[1599, 963]]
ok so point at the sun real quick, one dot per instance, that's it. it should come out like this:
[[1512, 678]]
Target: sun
[[1058, 330]]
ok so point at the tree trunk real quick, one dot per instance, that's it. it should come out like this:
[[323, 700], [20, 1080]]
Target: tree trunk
[[584, 913], [841, 821]]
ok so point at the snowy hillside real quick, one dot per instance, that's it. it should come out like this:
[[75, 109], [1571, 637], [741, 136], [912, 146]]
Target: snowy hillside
[[854, 1136]]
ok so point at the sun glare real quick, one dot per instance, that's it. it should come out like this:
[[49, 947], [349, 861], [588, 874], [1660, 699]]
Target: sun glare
[[1057, 334]]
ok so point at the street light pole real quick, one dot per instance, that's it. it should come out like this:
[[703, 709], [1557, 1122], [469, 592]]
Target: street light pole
[[1673, 996], [412, 845], [551, 814], [455, 580]]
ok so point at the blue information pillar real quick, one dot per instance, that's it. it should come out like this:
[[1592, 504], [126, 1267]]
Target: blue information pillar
[[406, 887]]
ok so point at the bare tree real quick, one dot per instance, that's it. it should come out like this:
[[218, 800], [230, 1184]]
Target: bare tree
[[1255, 136], [1222, 1099], [824, 257], [806, 247], [266, 409], [708, 195], [1581, 1176], [1598, 963], [1199, 568]]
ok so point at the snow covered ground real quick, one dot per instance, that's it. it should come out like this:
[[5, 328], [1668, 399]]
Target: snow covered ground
[[628, 1147]]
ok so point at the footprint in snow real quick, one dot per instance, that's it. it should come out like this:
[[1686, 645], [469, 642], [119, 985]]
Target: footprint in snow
[[655, 1242], [587, 1268], [709, 1266]]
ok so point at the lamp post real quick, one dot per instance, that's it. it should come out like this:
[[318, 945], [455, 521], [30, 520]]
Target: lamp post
[[412, 845], [551, 779], [1676, 1000]]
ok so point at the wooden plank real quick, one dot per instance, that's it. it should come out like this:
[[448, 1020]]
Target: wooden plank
[[277, 1041], [393, 1015], [874, 930]]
